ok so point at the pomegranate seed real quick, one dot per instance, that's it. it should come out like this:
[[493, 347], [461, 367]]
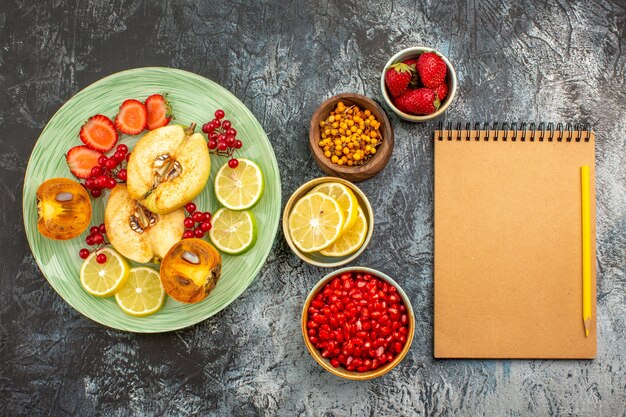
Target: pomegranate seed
[[334, 363], [397, 347]]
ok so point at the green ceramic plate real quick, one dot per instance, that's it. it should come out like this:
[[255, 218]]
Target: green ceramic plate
[[193, 98]]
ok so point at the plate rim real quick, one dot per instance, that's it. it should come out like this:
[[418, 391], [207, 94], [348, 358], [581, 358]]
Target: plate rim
[[256, 270]]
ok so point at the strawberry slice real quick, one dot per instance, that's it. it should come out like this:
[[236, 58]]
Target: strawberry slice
[[80, 160], [132, 117], [99, 133], [159, 111]]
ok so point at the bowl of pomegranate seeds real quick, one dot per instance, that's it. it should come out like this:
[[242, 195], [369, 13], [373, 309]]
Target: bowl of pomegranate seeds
[[418, 83], [358, 323]]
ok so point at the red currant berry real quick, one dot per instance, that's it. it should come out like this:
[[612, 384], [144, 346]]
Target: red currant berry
[[198, 233], [96, 192], [212, 144], [190, 207], [101, 258], [226, 124], [98, 238], [214, 136], [233, 163], [205, 128], [89, 240], [188, 234], [111, 183], [122, 148], [189, 223], [111, 163], [221, 137], [230, 141], [119, 156], [198, 217], [222, 146], [102, 160], [122, 175], [216, 123], [219, 114], [94, 229], [83, 253], [89, 183], [207, 216], [238, 144], [231, 132], [102, 229], [96, 171], [206, 226], [127, 157]]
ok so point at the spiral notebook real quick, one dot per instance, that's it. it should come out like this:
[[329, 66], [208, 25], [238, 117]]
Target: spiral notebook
[[508, 257]]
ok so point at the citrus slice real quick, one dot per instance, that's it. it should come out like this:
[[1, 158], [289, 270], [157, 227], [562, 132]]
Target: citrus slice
[[233, 232], [315, 222], [142, 294], [239, 188], [345, 197], [104, 280], [351, 240]]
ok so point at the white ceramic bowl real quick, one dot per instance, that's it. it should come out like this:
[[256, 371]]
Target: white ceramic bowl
[[412, 53]]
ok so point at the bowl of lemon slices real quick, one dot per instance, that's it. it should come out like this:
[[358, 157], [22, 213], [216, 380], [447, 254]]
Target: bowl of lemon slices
[[328, 222]]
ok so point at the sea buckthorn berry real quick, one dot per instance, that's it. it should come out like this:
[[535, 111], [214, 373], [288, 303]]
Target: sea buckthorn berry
[[349, 135]]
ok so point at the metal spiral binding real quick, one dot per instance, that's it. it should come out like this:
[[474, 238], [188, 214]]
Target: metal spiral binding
[[501, 132]]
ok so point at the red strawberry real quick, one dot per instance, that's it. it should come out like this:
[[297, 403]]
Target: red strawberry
[[442, 91], [159, 111], [397, 78], [432, 69], [99, 133], [418, 101], [80, 160], [132, 117]]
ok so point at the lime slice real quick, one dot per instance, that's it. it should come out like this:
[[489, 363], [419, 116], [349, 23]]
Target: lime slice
[[351, 240], [104, 280], [142, 294], [239, 188], [233, 232], [315, 222], [345, 197]]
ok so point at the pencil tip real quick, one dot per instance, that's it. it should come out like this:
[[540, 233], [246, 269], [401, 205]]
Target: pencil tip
[[587, 324]]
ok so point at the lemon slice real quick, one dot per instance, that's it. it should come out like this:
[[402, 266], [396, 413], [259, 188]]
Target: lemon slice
[[142, 294], [351, 240], [346, 199], [239, 188], [315, 222], [104, 280], [233, 232]]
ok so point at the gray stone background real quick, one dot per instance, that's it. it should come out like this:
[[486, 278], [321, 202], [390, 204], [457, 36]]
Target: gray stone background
[[516, 61]]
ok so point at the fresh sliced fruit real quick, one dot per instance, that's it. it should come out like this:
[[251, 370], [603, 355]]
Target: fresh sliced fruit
[[104, 279], [233, 232], [137, 233], [346, 199], [351, 240], [99, 133], [190, 270], [132, 117], [142, 294], [159, 111], [63, 208], [80, 160], [315, 222], [241, 187], [168, 167]]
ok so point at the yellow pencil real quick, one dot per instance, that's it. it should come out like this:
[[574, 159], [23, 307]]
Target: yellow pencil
[[586, 242]]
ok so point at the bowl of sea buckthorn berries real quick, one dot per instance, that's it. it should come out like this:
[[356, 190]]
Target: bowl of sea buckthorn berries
[[358, 323], [351, 137]]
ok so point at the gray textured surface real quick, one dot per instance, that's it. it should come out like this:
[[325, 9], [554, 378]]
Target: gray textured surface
[[561, 61]]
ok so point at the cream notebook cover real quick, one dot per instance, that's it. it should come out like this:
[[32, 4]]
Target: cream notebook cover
[[508, 251]]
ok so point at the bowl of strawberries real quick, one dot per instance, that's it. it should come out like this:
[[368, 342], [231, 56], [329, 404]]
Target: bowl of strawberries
[[418, 83]]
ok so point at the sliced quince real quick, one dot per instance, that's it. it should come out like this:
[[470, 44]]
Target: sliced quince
[[168, 167]]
